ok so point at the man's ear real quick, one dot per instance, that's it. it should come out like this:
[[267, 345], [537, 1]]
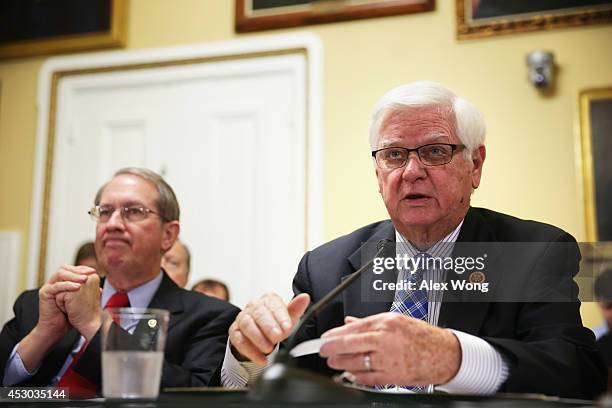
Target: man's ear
[[376, 170], [170, 232], [478, 158]]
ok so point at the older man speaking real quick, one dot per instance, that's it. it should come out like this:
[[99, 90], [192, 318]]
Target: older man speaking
[[428, 150], [54, 338]]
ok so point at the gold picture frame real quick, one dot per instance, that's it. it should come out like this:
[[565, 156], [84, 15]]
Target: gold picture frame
[[486, 18], [115, 36], [596, 147], [257, 15]]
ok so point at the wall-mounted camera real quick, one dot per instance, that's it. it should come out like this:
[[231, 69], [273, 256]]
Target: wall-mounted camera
[[541, 69]]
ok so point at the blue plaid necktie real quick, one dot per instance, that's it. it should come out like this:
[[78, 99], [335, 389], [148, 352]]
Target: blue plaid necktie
[[412, 303]]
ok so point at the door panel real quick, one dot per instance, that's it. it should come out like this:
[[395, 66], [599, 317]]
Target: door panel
[[229, 137]]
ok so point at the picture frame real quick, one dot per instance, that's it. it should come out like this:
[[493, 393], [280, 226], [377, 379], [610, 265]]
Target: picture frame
[[257, 15], [487, 18], [34, 27], [596, 147]]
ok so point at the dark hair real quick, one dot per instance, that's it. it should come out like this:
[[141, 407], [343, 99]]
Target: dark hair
[[211, 283], [603, 286], [87, 250]]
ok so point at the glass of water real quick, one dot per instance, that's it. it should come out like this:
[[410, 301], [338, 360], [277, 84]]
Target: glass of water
[[133, 341]]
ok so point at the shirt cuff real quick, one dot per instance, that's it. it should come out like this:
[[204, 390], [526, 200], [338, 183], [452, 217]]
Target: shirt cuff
[[482, 370], [238, 374], [14, 371]]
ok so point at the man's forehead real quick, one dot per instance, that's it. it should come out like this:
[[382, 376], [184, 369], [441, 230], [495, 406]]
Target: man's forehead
[[427, 124], [425, 139], [177, 249], [129, 190]]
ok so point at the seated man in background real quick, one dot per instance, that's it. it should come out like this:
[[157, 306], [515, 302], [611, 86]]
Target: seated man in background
[[212, 287], [86, 256], [54, 338], [177, 263], [428, 152]]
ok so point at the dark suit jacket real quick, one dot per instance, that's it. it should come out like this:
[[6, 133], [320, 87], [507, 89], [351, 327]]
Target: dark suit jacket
[[539, 332], [195, 345]]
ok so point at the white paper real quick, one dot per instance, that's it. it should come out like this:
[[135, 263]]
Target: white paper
[[307, 347]]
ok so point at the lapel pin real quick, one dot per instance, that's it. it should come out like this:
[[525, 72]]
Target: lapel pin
[[477, 277], [152, 323]]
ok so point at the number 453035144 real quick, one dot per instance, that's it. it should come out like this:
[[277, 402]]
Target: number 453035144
[[33, 394]]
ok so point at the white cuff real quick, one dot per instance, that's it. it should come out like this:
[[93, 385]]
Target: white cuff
[[482, 370], [14, 371], [238, 374]]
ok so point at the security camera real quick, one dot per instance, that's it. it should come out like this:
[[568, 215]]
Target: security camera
[[541, 68]]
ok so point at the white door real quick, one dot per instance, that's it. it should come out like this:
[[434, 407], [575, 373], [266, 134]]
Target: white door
[[229, 136]]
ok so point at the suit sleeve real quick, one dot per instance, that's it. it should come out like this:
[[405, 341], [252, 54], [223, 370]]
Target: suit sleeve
[[551, 351], [203, 356], [11, 335], [301, 284]]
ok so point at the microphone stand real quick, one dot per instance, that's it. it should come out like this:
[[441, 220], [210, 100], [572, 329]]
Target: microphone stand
[[283, 381]]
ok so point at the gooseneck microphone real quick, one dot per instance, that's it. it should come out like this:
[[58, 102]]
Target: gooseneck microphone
[[282, 381], [320, 305]]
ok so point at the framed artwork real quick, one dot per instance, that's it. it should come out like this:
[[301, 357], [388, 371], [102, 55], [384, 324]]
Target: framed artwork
[[39, 27], [485, 18], [596, 144], [256, 15]]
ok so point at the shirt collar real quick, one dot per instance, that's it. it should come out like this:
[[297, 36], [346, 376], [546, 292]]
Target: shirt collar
[[140, 296], [440, 249]]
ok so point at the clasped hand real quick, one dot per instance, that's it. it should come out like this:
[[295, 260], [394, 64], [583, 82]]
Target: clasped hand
[[70, 298]]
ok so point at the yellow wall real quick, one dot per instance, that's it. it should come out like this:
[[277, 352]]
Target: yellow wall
[[530, 169]]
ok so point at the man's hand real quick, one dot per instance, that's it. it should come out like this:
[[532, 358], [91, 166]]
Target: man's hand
[[73, 271], [51, 319], [401, 350], [52, 322], [263, 324], [83, 307]]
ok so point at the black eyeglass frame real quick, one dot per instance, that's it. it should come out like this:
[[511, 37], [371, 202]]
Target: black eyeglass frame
[[416, 149]]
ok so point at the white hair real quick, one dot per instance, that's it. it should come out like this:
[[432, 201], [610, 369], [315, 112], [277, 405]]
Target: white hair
[[469, 124]]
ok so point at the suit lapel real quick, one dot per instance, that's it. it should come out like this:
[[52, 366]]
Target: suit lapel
[[465, 310], [168, 297], [360, 299]]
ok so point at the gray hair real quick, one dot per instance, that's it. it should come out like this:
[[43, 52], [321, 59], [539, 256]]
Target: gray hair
[[468, 121], [166, 201]]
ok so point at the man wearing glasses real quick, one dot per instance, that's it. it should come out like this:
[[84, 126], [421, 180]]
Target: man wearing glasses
[[54, 338], [428, 151]]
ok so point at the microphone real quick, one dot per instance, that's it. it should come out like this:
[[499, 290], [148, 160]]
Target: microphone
[[282, 381], [320, 305]]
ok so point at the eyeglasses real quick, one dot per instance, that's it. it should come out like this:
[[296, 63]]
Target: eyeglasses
[[135, 213], [435, 154]]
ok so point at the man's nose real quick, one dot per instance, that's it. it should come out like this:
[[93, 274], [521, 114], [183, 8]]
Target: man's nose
[[413, 169], [116, 220]]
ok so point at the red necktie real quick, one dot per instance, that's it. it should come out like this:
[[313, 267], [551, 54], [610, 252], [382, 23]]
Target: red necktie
[[119, 299], [79, 386]]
